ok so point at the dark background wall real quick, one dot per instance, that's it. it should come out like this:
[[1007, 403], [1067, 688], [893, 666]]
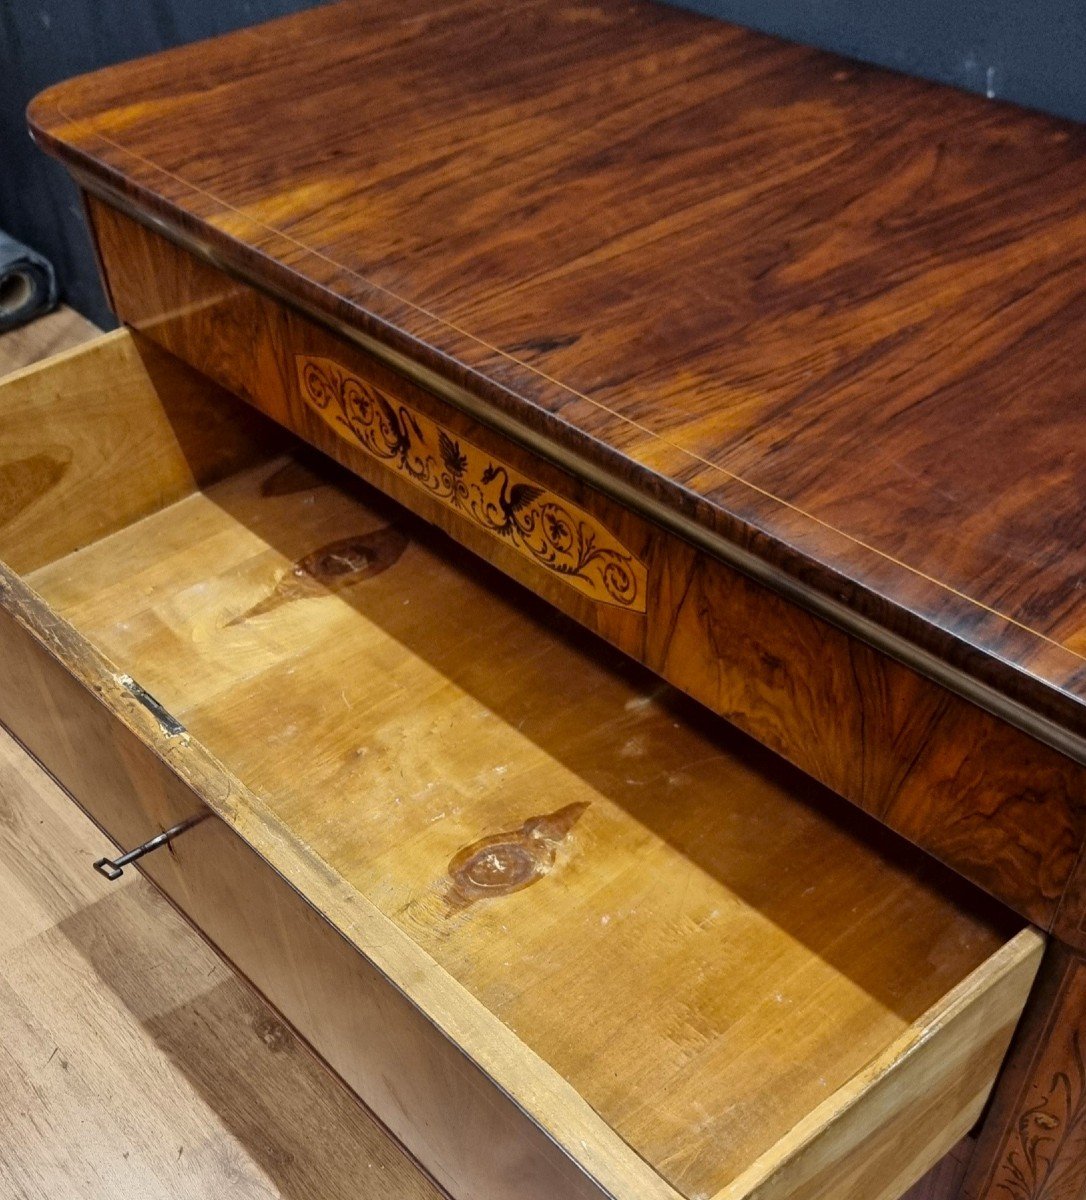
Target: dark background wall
[[1032, 52], [44, 41]]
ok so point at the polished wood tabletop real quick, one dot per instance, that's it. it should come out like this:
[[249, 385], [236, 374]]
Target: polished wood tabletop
[[826, 315]]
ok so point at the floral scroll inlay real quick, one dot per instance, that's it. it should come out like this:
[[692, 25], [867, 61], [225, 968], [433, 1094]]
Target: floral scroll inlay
[[544, 528], [1043, 1131]]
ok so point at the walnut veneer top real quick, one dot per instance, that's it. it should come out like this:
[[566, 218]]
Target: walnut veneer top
[[832, 314]]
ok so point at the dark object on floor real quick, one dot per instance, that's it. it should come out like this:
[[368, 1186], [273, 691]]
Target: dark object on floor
[[28, 285]]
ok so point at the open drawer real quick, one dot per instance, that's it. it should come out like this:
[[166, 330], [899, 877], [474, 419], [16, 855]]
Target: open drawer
[[564, 932]]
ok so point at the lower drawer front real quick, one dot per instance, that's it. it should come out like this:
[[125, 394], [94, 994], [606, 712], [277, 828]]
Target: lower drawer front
[[567, 936]]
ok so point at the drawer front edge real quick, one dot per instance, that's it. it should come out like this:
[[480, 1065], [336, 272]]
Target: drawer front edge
[[887, 1127]]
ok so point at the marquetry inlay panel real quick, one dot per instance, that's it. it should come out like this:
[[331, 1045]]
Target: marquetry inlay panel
[[534, 521]]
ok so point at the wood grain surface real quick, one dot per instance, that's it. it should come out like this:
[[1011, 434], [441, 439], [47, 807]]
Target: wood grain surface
[[829, 311], [115, 430], [565, 839]]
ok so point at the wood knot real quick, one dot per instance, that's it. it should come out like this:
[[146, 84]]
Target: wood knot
[[332, 568], [503, 867], [272, 1033], [352, 559], [502, 863]]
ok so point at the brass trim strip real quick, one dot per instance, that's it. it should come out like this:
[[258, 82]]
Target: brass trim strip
[[976, 691]]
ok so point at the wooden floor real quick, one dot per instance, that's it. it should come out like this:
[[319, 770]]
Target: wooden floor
[[58, 331], [132, 1062]]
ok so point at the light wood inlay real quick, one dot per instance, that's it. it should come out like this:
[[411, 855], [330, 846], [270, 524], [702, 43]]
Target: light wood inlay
[[496, 497]]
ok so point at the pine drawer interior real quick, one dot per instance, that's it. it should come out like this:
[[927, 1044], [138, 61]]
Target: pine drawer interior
[[696, 956]]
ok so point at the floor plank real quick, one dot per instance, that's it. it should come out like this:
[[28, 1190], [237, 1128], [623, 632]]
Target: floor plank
[[132, 1061], [58, 330]]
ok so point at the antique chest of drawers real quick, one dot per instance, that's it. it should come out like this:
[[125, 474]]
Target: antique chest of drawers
[[530, 431]]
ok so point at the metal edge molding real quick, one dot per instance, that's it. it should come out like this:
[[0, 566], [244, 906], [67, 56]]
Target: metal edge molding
[[847, 619]]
